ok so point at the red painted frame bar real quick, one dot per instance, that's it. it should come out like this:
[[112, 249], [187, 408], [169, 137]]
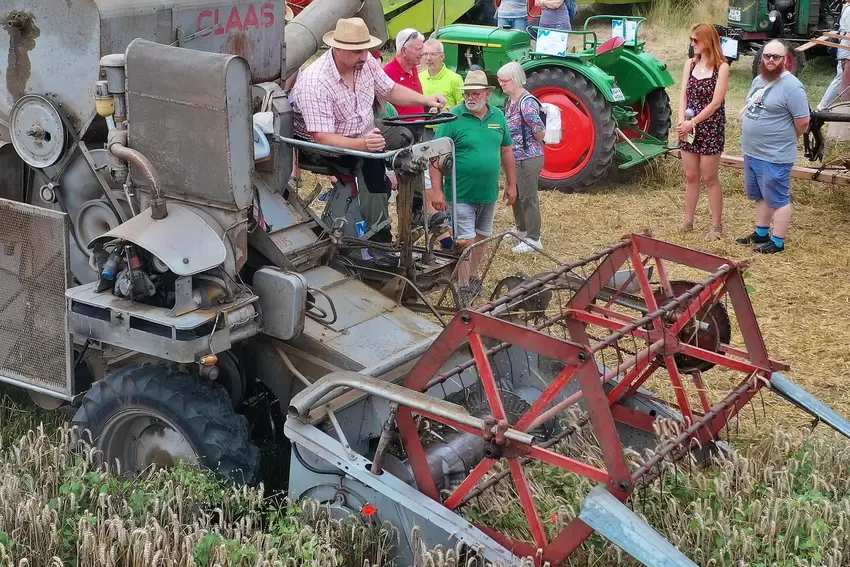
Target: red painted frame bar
[[409, 434]]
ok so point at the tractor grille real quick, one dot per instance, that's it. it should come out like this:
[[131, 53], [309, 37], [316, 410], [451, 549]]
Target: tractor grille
[[34, 342]]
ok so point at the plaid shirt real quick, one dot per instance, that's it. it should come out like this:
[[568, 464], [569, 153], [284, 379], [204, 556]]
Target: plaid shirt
[[322, 102]]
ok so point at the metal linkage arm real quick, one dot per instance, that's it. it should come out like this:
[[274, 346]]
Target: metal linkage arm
[[306, 400]]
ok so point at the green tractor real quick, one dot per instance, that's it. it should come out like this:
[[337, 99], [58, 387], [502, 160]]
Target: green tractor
[[611, 93], [751, 24]]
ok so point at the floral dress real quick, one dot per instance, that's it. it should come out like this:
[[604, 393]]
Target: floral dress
[[710, 135]]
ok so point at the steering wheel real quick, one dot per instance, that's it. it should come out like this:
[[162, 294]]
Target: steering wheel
[[426, 119]]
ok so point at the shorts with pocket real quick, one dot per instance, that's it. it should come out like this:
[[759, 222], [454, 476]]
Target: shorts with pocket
[[767, 181], [474, 219]]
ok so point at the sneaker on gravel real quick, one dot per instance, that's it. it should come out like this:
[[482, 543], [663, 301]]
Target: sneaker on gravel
[[769, 247], [752, 238], [527, 246]]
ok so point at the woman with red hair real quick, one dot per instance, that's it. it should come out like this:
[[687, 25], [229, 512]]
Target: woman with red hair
[[702, 124]]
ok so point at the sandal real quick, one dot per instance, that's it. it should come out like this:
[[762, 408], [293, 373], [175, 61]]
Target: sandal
[[716, 233]]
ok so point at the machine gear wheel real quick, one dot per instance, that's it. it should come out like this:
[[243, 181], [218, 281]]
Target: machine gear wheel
[[708, 329]]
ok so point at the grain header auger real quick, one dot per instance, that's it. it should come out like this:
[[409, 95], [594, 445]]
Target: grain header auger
[[238, 313]]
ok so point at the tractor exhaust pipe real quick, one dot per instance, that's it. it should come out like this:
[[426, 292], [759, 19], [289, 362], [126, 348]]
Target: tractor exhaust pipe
[[304, 33]]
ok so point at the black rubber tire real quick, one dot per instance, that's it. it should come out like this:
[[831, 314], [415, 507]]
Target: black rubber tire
[[799, 61], [660, 114], [602, 155], [203, 415]]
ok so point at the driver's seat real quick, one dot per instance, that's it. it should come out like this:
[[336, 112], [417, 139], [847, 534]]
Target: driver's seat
[[610, 45]]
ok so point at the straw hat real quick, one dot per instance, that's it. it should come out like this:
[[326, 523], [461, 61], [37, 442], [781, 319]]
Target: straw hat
[[351, 34], [475, 80]]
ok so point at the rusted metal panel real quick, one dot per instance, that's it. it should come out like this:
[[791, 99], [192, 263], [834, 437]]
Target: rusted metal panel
[[190, 115], [250, 29], [50, 48]]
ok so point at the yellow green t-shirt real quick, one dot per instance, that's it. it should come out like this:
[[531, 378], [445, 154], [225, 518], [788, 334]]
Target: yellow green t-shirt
[[446, 82]]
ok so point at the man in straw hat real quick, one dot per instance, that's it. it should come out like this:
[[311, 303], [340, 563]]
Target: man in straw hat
[[480, 133], [333, 99]]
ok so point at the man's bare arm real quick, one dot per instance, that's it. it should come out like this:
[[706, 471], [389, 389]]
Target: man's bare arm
[[509, 165], [801, 125], [403, 96]]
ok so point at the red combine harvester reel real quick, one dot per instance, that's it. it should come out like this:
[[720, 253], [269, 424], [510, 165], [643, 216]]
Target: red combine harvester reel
[[614, 337]]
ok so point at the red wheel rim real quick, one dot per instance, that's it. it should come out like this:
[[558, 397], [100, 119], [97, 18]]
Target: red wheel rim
[[644, 119], [567, 158]]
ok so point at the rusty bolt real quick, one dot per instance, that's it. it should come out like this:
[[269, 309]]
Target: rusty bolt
[[583, 356], [465, 318]]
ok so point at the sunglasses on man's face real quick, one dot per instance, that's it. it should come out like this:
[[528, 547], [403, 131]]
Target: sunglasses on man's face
[[773, 56]]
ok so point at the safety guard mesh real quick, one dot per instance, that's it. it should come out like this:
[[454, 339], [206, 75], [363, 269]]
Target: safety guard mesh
[[34, 341]]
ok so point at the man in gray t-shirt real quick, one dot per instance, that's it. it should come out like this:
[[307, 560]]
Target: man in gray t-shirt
[[775, 115]]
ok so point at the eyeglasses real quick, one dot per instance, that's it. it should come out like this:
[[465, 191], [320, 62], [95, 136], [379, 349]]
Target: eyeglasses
[[473, 94], [436, 54], [773, 56], [413, 35]]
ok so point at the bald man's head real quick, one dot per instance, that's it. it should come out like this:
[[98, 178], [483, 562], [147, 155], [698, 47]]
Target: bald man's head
[[773, 60]]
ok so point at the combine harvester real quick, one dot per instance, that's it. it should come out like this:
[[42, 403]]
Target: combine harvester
[[160, 283]]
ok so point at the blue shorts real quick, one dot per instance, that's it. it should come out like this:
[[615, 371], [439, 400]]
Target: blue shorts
[[515, 23], [767, 181]]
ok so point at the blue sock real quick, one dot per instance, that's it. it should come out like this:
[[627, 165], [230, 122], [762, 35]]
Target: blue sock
[[762, 230], [446, 242], [780, 242]]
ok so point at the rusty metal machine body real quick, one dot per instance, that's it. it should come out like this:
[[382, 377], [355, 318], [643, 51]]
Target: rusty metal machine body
[[147, 254]]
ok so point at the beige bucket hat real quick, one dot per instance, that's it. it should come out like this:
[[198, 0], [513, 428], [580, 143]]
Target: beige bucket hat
[[351, 34], [475, 80]]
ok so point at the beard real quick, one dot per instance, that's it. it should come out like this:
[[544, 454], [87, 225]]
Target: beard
[[772, 75], [474, 106]]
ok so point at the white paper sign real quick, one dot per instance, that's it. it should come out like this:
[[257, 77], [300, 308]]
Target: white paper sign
[[729, 47], [553, 42], [627, 29]]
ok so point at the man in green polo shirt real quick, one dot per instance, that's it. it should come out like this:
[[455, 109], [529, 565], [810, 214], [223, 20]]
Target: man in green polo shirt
[[480, 133]]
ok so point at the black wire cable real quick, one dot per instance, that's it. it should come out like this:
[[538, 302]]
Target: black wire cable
[[310, 467]]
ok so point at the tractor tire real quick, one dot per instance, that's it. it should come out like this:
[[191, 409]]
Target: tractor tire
[[660, 114], [794, 62], [582, 157], [154, 415]]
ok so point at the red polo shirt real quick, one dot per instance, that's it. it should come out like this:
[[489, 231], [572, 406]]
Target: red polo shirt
[[409, 80]]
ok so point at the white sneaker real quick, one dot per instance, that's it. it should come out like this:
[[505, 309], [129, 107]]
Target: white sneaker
[[520, 233], [529, 246]]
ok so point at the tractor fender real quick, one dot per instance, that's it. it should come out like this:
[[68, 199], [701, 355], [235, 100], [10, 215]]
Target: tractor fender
[[638, 74], [599, 78]]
